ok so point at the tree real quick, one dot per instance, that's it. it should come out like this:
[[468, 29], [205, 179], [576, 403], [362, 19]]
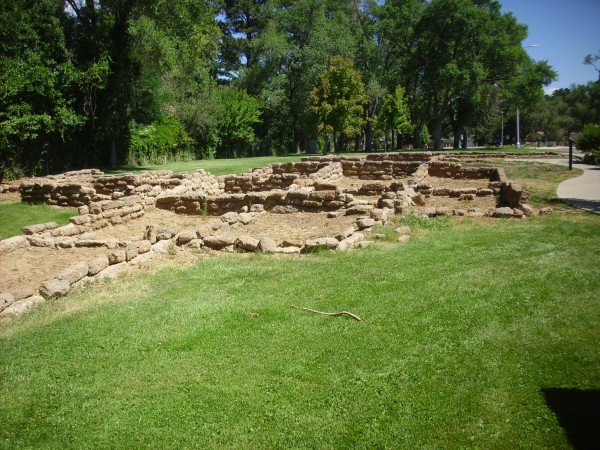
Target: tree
[[394, 116], [337, 102], [37, 80], [589, 142], [235, 122], [591, 60]]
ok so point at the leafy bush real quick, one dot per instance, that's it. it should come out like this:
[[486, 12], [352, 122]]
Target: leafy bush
[[158, 143], [589, 143]]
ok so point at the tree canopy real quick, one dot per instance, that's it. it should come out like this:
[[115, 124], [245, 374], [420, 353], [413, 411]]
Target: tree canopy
[[98, 82]]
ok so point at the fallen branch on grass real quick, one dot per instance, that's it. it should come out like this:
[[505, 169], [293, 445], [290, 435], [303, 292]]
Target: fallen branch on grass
[[339, 313]]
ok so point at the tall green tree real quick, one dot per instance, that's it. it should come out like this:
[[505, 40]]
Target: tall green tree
[[394, 116], [37, 82], [338, 101]]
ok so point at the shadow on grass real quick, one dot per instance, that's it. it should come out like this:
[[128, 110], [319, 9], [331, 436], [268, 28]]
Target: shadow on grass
[[578, 413]]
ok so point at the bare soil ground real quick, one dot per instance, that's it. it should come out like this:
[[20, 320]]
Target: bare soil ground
[[24, 270]]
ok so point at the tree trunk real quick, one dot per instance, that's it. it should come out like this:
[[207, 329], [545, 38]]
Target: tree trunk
[[113, 155], [464, 139], [437, 132], [417, 138], [368, 136]]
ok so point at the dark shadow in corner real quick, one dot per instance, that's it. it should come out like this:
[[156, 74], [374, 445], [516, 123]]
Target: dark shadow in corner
[[578, 413]]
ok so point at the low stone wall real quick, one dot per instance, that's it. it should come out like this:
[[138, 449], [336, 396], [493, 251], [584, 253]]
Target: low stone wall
[[130, 184], [284, 176], [87, 186], [57, 193], [456, 171]]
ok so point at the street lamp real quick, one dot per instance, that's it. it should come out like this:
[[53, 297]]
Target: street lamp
[[518, 127]]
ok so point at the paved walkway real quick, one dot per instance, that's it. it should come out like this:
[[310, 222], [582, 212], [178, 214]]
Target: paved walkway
[[582, 192]]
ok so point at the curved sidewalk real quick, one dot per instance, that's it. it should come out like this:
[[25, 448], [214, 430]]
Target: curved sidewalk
[[582, 192]]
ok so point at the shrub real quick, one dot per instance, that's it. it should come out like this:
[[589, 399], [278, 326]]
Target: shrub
[[160, 142], [589, 143]]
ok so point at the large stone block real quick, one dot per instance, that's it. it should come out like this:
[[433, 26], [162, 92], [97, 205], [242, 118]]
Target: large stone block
[[97, 265], [74, 273], [54, 288], [12, 244]]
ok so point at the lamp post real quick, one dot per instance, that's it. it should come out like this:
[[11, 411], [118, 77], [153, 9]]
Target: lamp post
[[518, 124], [518, 132]]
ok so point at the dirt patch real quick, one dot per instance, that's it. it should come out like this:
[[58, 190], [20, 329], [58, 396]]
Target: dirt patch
[[10, 197], [297, 226], [25, 269], [451, 183], [160, 218]]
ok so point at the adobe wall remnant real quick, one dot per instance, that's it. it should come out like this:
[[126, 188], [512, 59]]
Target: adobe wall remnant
[[367, 189]]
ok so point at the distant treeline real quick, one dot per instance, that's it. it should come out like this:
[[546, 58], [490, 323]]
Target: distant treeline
[[99, 82]]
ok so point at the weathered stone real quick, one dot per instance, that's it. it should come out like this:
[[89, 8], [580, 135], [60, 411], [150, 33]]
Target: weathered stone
[[292, 243], [54, 288], [466, 197], [245, 218], [90, 243], [131, 251], [284, 209], [403, 230], [18, 307], [165, 233], [528, 210], [326, 243], [359, 209], [257, 208], [267, 245], [36, 241], [230, 217], [247, 243], [289, 250], [364, 222], [150, 234], [40, 228], [96, 265], [12, 244], [334, 214], [5, 300], [143, 246], [81, 220], [404, 238], [74, 273], [345, 233], [459, 212], [503, 212], [66, 230], [186, 236], [195, 244], [546, 210], [116, 256], [218, 242]]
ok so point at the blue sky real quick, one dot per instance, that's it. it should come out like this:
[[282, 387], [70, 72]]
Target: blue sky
[[566, 31]]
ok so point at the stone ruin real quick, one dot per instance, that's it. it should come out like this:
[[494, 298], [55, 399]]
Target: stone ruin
[[367, 189]]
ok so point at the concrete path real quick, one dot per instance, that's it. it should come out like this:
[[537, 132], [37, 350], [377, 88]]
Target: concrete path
[[582, 192]]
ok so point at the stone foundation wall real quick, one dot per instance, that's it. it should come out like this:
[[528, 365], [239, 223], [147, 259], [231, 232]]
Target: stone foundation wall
[[454, 170]]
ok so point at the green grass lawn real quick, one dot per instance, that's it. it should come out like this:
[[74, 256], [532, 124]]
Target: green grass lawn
[[239, 165], [214, 166], [15, 216], [467, 331]]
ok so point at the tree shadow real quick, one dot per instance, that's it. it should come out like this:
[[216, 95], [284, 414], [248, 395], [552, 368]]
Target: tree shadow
[[578, 413]]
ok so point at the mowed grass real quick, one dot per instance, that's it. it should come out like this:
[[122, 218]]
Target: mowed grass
[[15, 216], [240, 165], [467, 329], [214, 166]]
